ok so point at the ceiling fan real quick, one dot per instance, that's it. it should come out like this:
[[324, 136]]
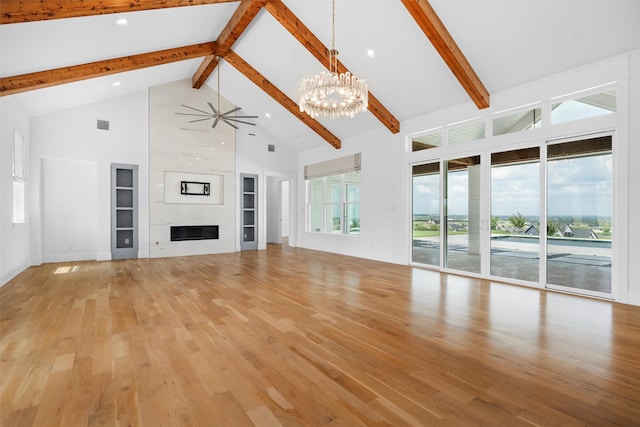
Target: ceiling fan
[[217, 114]]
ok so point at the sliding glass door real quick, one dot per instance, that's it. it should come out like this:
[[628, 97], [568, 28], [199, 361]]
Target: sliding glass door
[[579, 215], [462, 214], [515, 214], [458, 225], [546, 218], [425, 247]]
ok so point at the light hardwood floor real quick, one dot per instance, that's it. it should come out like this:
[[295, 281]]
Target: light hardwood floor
[[296, 337]]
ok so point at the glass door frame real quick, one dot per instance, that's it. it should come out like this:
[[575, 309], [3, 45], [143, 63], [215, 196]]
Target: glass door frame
[[618, 218], [618, 259], [484, 206]]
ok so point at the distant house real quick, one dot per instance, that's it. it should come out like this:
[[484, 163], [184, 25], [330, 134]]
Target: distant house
[[565, 230], [457, 227], [532, 230], [568, 230], [584, 233]]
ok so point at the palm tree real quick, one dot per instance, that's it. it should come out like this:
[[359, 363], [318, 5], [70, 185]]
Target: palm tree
[[518, 221]]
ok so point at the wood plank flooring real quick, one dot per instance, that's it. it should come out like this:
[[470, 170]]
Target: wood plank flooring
[[295, 337]]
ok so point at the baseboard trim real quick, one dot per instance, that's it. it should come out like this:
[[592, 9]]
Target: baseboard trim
[[12, 274]]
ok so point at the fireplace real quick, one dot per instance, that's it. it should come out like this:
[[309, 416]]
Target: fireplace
[[193, 232]]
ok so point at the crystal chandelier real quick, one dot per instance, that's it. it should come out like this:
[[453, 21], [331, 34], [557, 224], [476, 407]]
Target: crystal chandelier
[[331, 94]]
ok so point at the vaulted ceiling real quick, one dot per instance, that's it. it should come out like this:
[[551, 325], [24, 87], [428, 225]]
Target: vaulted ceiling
[[428, 55]]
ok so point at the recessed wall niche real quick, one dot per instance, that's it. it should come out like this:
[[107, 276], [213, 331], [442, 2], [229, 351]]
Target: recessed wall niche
[[194, 153]]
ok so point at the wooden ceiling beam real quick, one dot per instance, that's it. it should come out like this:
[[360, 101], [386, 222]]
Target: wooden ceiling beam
[[427, 19], [43, 79], [262, 82], [15, 11], [205, 69], [300, 31], [242, 17]]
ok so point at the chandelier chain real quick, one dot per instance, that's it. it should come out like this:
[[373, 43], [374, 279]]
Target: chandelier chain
[[333, 54], [333, 24]]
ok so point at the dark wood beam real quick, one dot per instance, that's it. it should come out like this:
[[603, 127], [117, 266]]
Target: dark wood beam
[[15, 11], [262, 82], [206, 67], [242, 17], [48, 78], [435, 30], [291, 22]]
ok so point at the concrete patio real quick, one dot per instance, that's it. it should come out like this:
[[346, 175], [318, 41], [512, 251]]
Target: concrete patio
[[570, 266]]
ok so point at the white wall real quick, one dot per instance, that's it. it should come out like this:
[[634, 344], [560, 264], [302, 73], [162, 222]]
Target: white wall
[[385, 185], [72, 135], [634, 179], [253, 157], [189, 148], [69, 231], [14, 238]]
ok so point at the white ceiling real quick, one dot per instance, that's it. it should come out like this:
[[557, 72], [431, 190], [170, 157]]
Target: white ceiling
[[507, 42]]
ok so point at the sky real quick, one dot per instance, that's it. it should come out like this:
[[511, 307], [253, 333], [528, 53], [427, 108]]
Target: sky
[[579, 186]]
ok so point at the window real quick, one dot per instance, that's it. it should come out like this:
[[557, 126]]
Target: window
[[426, 141], [517, 122], [333, 204], [18, 179], [333, 196], [586, 106], [18, 202], [466, 132], [315, 205], [352, 202]]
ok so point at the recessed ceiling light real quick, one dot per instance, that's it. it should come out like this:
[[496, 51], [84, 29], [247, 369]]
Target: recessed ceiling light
[[371, 53], [122, 21], [267, 115], [115, 84]]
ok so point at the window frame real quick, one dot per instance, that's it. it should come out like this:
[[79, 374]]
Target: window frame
[[19, 184], [326, 204]]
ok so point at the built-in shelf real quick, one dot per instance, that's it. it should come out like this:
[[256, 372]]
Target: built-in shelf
[[249, 214], [124, 211]]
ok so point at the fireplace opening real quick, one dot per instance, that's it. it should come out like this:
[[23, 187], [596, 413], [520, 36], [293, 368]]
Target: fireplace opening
[[194, 232]]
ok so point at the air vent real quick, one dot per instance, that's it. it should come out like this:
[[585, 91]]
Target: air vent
[[271, 147], [103, 124]]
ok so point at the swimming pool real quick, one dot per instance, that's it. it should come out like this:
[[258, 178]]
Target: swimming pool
[[556, 241]]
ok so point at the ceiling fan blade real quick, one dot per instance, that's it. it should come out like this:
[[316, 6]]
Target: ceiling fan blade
[[215, 122], [191, 108], [246, 123], [231, 111], [199, 120], [247, 117], [213, 108], [229, 123], [209, 115]]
